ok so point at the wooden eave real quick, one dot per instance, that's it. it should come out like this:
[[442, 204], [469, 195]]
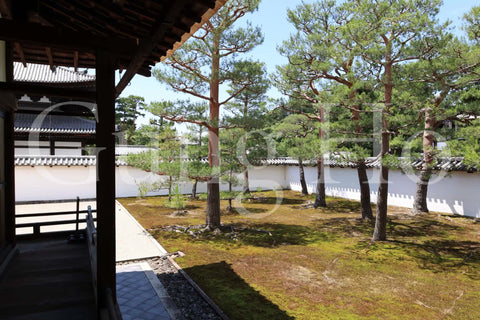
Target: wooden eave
[[137, 33]]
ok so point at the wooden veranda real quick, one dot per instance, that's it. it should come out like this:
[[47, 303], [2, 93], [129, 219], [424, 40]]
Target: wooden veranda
[[107, 35]]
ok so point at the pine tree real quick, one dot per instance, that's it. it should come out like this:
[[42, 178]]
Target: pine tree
[[202, 65], [391, 33], [246, 111], [127, 110]]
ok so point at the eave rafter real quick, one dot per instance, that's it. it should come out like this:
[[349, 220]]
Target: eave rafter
[[26, 32], [5, 10], [148, 44]]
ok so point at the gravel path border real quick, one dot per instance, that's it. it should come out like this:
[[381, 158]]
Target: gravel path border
[[190, 300]]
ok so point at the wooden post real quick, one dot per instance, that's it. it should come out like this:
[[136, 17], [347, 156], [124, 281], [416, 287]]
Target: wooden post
[[9, 179], [10, 154], [78, 216], [105, 85]]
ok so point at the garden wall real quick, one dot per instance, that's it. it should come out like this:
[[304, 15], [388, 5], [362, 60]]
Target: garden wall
[[49, 183], [457, 192]]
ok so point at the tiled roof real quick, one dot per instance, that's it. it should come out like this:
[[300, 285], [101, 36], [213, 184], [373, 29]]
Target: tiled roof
[[446, 164], [59, 161], [24, 122], [43, 73]]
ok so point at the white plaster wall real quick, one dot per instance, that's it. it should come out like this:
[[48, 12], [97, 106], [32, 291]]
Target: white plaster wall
[[73, 144], [42, 183], [456, 192], [31, 144], [32, 151], [54, 183], [68, 152]]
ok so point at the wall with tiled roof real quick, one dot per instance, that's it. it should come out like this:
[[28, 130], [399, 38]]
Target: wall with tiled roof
[[43, 73], [26, 122]]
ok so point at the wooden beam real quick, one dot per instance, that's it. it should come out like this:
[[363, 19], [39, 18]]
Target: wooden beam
[[8, 102], [36, 17], [20, 31], [148, 44], [32, 88], [105, 141], [9, 61], [217, 4], [18, 48], [48, 51], [5, 10]]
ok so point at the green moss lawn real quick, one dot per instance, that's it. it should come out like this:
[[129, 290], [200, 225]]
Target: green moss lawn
[[285, 261]]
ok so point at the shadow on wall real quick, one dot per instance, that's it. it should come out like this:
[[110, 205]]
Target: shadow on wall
[[232, 294], [466, 208]]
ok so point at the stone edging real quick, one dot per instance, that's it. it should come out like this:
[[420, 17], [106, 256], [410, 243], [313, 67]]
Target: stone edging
[[198, 289]]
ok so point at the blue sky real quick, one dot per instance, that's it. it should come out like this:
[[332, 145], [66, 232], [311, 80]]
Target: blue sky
[[271, 16]]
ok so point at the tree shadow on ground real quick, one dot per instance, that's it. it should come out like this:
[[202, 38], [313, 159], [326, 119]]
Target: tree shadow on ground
[[249, 210], [342, 205], [232, 294], [277, 234], [266, 235], [445, 255], [420, 227], [346, 226], [274, 200]]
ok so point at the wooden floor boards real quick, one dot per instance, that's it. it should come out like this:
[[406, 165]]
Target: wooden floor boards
[[48, 280]]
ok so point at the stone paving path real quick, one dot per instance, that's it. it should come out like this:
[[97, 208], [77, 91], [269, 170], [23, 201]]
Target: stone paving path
[[132, 240], [136, 294]]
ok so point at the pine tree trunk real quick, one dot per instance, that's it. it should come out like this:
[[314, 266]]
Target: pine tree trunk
[[213, 204], [213, 187], [364, 191], [246, 185], [380, 232], [320, 198], [194, 189], [420, 201], [361, 168], [302, 178], [230, 189]]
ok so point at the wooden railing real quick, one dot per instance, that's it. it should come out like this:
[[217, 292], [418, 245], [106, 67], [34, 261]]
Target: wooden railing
[[92, 247], [111, 311], [38, 224]]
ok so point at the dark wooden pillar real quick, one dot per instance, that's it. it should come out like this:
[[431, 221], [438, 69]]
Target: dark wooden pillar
[[9, 152], [105, 83], [9, 179], [52, 146]]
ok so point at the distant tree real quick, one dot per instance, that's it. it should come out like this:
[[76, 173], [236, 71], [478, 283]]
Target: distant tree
[[297, 81], [296, 139], [230, 166], [443, 77], [466, 144], [327, 58], [197, 148], [163, 160], [127, 110], [204, 63], [391, 33], [247, 110]]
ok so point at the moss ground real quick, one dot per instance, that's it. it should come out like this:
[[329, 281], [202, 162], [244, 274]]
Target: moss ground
[[286, 261]]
